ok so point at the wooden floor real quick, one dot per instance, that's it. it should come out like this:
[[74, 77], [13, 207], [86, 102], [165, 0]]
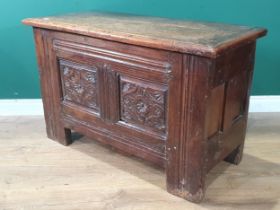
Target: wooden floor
[[37, 173]]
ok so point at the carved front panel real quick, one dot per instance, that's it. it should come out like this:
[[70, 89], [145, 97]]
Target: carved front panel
[[143, 105], [79, 84]]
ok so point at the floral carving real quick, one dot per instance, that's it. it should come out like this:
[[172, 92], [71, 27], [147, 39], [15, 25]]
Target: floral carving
[[143, 106], [79, 84]]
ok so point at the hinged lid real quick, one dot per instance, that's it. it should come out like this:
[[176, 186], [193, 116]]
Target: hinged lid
[[200, 38]]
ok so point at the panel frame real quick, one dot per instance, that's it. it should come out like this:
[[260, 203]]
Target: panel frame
[[135, 141]]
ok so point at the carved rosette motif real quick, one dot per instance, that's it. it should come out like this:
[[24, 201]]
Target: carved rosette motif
[[143, 106], [79, 84]]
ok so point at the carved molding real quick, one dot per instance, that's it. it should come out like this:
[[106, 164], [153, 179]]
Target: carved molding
[[143, 106], [79, 84], [118, 57]]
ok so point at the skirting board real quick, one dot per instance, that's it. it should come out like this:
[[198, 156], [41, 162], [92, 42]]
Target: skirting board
[[16, 107]]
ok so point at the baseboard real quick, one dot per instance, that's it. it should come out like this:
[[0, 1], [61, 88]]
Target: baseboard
[[264, 103], [17, 107]]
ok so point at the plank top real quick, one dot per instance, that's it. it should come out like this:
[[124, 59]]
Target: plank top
[[200, 38]]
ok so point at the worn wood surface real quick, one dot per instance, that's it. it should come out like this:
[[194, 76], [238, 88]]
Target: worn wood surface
[[130, 109], [36, 173], [201, 38], [151, 103]]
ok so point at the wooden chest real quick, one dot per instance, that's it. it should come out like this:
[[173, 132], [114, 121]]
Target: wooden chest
[[172, 92]]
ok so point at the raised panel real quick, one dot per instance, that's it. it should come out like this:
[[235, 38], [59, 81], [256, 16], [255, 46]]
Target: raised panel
[[79, 84], [215, 110], [143, 104], [235, 99]]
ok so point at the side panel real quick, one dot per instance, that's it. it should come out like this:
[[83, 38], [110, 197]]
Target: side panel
[[227, 107]]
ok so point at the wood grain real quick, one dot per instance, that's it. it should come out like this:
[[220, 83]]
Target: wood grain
[[51, 90], [36, 173], [185, 112], [199, 38]]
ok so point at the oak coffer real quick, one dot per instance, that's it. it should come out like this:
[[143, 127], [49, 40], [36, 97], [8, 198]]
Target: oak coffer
[[172, 92]]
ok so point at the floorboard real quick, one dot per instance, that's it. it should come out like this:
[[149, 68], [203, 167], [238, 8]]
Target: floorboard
[[38, 173]]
